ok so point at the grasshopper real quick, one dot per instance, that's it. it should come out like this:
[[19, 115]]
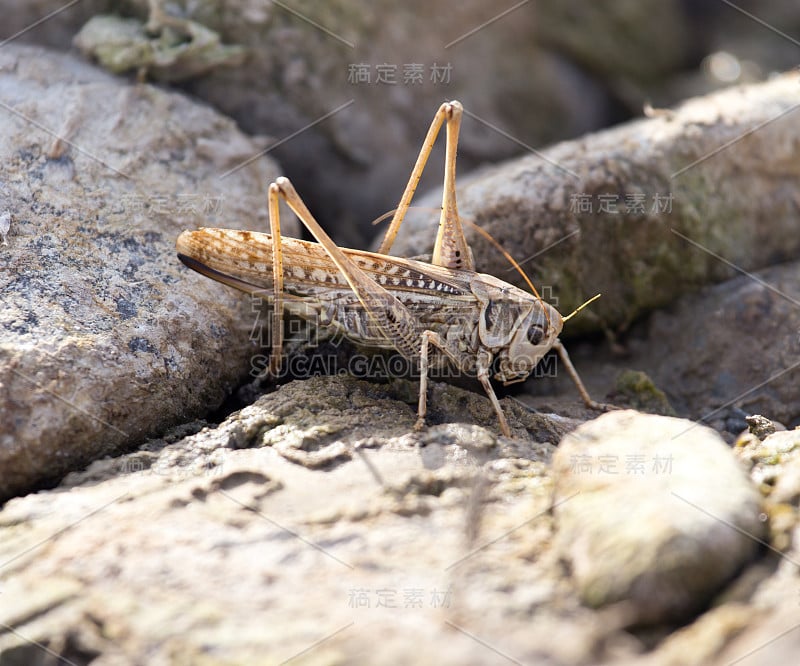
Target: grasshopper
[[480, 324]]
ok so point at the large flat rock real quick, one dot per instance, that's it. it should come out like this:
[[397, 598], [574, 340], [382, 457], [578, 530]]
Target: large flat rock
[[315, 525]]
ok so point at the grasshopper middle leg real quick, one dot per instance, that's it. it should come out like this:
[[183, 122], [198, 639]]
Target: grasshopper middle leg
[[433, 338]]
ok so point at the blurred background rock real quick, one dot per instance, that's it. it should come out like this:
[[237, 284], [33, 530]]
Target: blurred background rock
[[345, 90]]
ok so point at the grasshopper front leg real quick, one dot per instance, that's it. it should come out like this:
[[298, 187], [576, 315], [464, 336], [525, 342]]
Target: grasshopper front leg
[[561, 350], [483, 363]]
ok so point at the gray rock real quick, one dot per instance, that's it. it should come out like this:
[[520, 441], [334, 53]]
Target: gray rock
[[787, 489], [662, 196], [760, 426], [636, 390], [24, 20], [311, 55], [106, 338], [654, 513], [699, 643], [321, 420], [774, 465], [735, 345], [301, 526]]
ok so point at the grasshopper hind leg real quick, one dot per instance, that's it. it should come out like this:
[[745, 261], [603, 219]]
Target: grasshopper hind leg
[[277, 281], [451, 249]]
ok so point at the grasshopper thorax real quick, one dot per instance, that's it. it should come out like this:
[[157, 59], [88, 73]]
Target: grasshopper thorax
[[516, 327]]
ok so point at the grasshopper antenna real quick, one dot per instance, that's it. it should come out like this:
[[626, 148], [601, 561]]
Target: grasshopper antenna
[[390, 213], [580, 307], [386, 216]]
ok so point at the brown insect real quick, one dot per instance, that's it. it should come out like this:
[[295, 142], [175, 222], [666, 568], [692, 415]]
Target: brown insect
[[478, 323]]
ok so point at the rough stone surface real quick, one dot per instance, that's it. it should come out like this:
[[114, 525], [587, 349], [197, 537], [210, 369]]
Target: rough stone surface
[[654, 512], [662, 196], [314, 521], [635, 389], [736, 343], [300, 518], [106, 338]]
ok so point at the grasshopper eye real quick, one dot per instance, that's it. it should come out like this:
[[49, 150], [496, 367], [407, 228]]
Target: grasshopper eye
[[535, 334]]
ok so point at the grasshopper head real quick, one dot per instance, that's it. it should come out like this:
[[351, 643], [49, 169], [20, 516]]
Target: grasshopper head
[[532, 339]]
